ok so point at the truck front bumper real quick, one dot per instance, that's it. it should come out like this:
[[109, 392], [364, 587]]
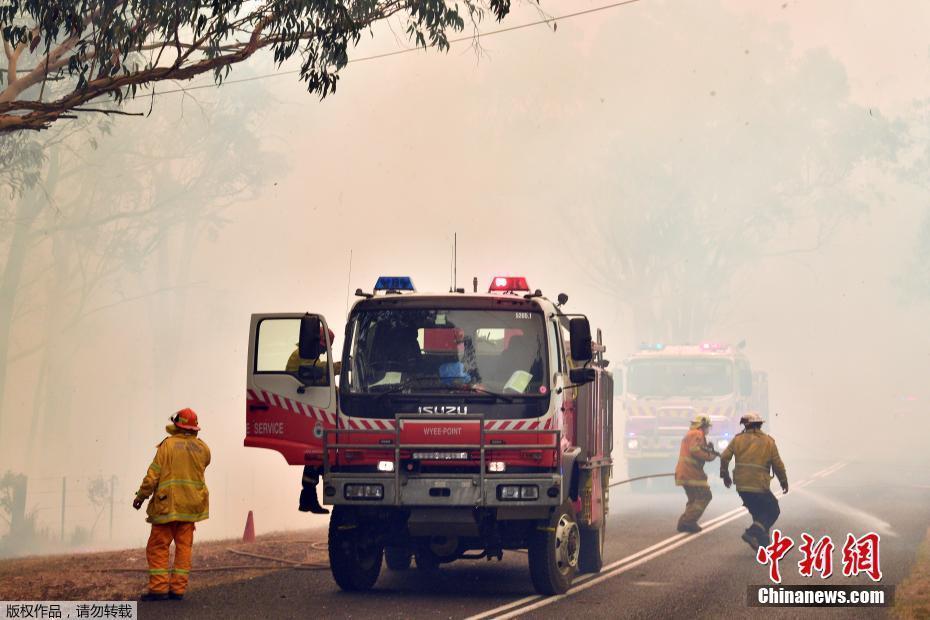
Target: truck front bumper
[[442, 490]]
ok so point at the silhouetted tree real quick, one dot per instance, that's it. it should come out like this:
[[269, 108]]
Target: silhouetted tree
[[115, 48]]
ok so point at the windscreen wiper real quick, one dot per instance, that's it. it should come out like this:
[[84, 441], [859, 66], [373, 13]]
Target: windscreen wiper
[[407, 384], [481, 390]]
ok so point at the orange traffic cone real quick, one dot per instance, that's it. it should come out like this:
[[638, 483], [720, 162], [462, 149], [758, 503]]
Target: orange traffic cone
[[249, 534]]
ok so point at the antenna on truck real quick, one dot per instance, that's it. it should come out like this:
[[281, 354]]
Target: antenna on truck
[[453, 288]]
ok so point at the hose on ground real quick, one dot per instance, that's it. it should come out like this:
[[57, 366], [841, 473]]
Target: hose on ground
[[197, 570], [629, 480], [291, 564]]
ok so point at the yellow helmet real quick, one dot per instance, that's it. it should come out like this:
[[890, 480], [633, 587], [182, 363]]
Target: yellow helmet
[[700, 421]]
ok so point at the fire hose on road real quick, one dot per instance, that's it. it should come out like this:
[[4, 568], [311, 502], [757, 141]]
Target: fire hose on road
[[318, 545], [629, 480]]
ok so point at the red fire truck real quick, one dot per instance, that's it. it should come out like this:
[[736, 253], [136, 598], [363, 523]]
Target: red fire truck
[[465, 425], [667, 385]]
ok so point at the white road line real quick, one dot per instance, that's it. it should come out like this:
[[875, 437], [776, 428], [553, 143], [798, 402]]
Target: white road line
[[584, 578], [531, 603]]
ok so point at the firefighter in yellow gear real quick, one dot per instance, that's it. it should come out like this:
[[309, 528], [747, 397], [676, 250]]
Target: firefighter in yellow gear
[[175, 482], [689, 473], [312, 372], [756, 458]]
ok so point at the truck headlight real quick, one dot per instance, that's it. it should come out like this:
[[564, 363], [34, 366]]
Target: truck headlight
[[722, 444], [517, 492], [386, 466], [632, 444], [497, 466], [364, 491]]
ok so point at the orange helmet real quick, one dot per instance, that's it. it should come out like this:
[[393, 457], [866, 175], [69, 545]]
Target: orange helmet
[[332, 336], [187, 419]]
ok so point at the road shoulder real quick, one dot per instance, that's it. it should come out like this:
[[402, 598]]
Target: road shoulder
[[122, 575], [912, 597]]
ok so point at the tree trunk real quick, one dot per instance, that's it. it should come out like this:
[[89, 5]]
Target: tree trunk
[[26, 214]]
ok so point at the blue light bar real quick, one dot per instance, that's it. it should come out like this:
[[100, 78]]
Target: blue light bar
[[394, 283], [651, 346]]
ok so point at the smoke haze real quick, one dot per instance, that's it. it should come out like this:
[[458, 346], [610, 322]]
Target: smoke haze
[[683, 171]]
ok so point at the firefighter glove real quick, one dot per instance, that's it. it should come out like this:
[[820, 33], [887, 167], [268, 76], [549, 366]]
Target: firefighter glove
[[784, 488], [727, 482], [137, 503]]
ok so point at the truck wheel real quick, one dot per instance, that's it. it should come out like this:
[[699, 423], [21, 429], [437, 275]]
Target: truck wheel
[[592, 548], [554, 551], [397, 558], [354, 553]]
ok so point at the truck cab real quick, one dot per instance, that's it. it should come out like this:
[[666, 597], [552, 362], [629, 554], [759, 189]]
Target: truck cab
[[464, 425], [667, 385]]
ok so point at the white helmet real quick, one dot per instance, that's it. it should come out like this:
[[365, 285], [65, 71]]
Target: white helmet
[[751, 417], [700, 421]]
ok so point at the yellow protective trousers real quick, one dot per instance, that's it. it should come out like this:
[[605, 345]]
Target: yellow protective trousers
[[161, 578], [698, 499]]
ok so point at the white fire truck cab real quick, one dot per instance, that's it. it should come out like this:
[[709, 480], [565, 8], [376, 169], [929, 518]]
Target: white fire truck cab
[[667, 385], [465, 425]]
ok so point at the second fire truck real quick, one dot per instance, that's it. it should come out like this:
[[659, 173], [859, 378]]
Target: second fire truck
[[667, 385], [465, 425]]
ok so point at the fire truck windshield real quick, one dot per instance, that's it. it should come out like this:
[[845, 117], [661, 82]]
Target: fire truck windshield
[[692, 378], [478, 352]]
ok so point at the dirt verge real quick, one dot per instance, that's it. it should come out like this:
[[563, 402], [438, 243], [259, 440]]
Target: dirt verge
[[122, 575], [912, 597]]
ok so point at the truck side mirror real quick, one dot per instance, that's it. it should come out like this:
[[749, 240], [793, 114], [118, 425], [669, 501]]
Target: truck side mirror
[[309, 345], [579, 331], [580, 376]]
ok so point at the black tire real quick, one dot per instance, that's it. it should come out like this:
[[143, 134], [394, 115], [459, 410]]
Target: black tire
[[397, 558], [592, 548], [553, 552], [355, 555]]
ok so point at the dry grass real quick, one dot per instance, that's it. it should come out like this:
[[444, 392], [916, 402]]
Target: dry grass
[[912, 598], [122, 575]]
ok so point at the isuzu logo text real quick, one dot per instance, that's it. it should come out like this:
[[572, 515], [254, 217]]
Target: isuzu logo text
[[444, 409]]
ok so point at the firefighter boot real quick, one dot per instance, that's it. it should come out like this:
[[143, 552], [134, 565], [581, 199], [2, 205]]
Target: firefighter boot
[[309, 501], [692, 528], [764, 538], [154, 596], [754, 536]]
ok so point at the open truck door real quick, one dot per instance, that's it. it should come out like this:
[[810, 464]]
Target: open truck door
[[291, 385]]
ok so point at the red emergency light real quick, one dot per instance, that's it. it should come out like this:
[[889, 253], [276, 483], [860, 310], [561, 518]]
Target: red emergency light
[[508, 284]]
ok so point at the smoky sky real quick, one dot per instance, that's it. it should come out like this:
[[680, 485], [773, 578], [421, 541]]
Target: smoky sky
[[786, 139]]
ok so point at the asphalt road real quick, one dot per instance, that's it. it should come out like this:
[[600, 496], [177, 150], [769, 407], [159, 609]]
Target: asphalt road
[[650, 570]]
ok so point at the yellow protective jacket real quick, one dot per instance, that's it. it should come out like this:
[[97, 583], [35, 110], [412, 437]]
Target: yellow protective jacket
[[294, 362], [175, 480], [691, 458], [756, 457]]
